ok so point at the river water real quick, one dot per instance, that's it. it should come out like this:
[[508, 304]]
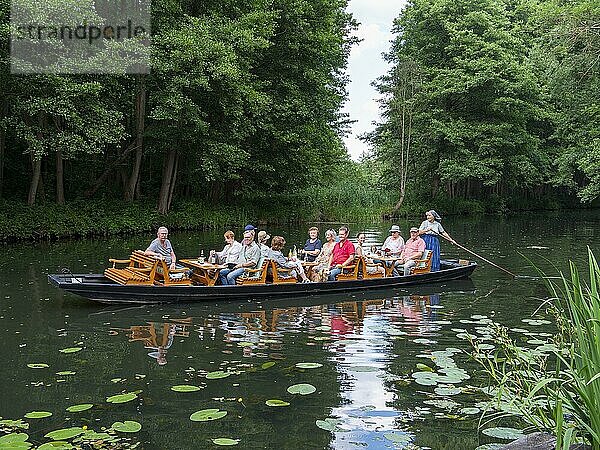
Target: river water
[[365, 346]]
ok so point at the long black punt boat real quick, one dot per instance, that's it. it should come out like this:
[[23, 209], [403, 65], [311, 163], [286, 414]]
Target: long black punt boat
[[98, 288]]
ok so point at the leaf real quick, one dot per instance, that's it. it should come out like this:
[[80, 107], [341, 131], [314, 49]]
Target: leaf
[[185, 388], [503, 433], [217, 374], [38, 366], [447, 391], [308, 365], [64, 433], [37, 414], [65, 372], [206, 415], [276, 402], [267, 364], [13, 437], [398, 437], [80, 407], [121, 398], [302, 389], [56, 445], [129, 426], [225, 441], [71, 350]]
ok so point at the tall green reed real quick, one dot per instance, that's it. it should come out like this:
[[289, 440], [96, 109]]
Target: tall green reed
[[556, 389]]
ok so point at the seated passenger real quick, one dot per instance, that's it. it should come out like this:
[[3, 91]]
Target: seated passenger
[[313, 245], [263, 238], [393, 244], [247, 259], [362, 251], [277, 256], [161, 248], [231, 251], [320, 272], [342, 255], [413, 250]]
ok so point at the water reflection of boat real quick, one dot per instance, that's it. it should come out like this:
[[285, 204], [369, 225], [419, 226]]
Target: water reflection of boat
[[98, 288]]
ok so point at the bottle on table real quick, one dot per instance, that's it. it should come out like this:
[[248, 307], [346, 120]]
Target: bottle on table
[[201, 257]]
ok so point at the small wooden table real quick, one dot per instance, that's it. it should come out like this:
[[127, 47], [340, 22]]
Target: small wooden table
[[205, 273], [308, 267], [388, 269]]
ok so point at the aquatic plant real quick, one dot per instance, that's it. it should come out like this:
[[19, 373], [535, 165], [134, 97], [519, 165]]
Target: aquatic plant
[[556, 385]]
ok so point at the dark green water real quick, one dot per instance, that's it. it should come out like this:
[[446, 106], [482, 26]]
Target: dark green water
[[364, 342]]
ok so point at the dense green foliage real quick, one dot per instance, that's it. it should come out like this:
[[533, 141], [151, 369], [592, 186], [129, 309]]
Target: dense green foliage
[[243, 98], [492, 101]]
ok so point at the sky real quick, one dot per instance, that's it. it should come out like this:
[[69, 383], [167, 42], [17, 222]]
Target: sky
[[366, 64]]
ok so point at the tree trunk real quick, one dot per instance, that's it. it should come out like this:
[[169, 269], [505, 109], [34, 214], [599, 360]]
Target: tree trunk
[[399, 202], [102, 179], [3, 113], [168, 179], [172, 188], [35, 180], [140, 113], [60, 186]]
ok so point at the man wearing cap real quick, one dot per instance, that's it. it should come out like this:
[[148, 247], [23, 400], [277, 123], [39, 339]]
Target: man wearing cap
[[247, 259], [413, 250], [393, 243], [263, 237]]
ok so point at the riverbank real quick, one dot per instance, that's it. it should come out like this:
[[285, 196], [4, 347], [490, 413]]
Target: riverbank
[[86, 218]]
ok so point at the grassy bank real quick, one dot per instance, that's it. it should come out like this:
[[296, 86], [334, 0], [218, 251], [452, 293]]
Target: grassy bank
[[345, 202]]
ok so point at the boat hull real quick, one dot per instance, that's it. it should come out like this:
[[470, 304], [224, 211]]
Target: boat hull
[[97, 288]]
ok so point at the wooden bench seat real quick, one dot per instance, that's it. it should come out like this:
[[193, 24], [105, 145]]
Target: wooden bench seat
[[140, 269], [350, 272], [255, 276], [281, 274], [365, 266], [423, 265]]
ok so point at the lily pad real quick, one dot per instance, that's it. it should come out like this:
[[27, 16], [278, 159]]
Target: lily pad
[[398, 437], [308, 365], [302, 389], [56, 445], [206, 415], [330, 424], [71, 350], [503, 433], [424, 367], [38, 414], [267, 364], [276, 402], [80, 407], [129, 426], [122, 398], [447, 391], [38, 366], [185, 388], [64, 433], [245, 344], [65, 373], [470, 411], [13, 438], [217, 374], [225, 441]]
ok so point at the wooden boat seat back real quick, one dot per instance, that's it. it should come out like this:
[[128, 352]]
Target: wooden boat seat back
[[423, 265], [255, 276], [366, 269], [350, 272], [141, 269], [172, 277], [281, 274]]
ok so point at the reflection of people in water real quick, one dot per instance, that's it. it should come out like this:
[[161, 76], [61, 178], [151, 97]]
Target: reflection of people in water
[[161, 350], [158, 337]]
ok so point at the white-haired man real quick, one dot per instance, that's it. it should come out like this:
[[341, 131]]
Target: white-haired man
[[161, 248]]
